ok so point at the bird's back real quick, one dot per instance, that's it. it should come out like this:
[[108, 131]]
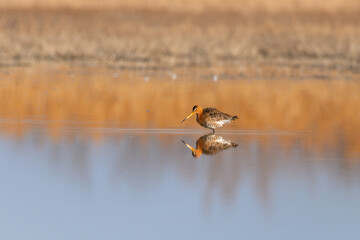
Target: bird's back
[[213, 118], [216, 115], [211, 144]]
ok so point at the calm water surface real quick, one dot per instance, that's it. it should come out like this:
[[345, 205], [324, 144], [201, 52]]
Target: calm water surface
[[63, 178]]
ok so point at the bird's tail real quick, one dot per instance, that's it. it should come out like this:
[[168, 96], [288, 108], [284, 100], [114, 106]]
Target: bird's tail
[[234, 118]]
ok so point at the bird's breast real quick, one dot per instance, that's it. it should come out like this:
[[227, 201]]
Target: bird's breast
[[201, 120]]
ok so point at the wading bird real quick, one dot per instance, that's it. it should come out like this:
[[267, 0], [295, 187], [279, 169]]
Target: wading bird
[[210, 117], [210, 144]]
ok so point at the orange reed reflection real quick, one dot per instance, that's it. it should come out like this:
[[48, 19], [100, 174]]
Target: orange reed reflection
[[329, 108]]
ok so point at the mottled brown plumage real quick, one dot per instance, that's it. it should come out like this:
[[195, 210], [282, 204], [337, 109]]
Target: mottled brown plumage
[[210, 117], [210, 144]]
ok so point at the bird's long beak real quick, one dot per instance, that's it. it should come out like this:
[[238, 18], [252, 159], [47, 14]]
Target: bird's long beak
[[194, 151], [190, 147], [187, 117]]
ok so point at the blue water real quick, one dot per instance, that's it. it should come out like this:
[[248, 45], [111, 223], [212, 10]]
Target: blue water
[[147, 185]]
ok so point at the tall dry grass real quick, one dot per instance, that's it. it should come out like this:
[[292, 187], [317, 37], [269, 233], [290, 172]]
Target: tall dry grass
[[159, 39], [191, 5]]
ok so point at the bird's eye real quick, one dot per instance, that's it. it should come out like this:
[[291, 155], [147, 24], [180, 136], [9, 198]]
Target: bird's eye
[[195, 109]]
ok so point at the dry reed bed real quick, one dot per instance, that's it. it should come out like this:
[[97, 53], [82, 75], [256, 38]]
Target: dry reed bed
[[190, 5], [160, 40], [330, 109]]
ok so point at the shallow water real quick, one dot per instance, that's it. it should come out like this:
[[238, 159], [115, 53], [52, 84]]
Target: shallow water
[[75, 166]]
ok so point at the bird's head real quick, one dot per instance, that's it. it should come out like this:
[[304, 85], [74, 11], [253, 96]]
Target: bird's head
[[196, 153], [195, 109]]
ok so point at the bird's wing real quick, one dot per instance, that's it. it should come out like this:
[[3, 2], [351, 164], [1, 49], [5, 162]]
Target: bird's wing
[[216, 115]]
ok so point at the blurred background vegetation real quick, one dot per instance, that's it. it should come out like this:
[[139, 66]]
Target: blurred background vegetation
[[160, 34], [192, 5]]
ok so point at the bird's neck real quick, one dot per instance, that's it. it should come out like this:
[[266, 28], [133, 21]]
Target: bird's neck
[[199, 114], [199, 147], [197, 152]]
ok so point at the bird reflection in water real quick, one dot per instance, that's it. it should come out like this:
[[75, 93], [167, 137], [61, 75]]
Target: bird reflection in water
[[210, 144]]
